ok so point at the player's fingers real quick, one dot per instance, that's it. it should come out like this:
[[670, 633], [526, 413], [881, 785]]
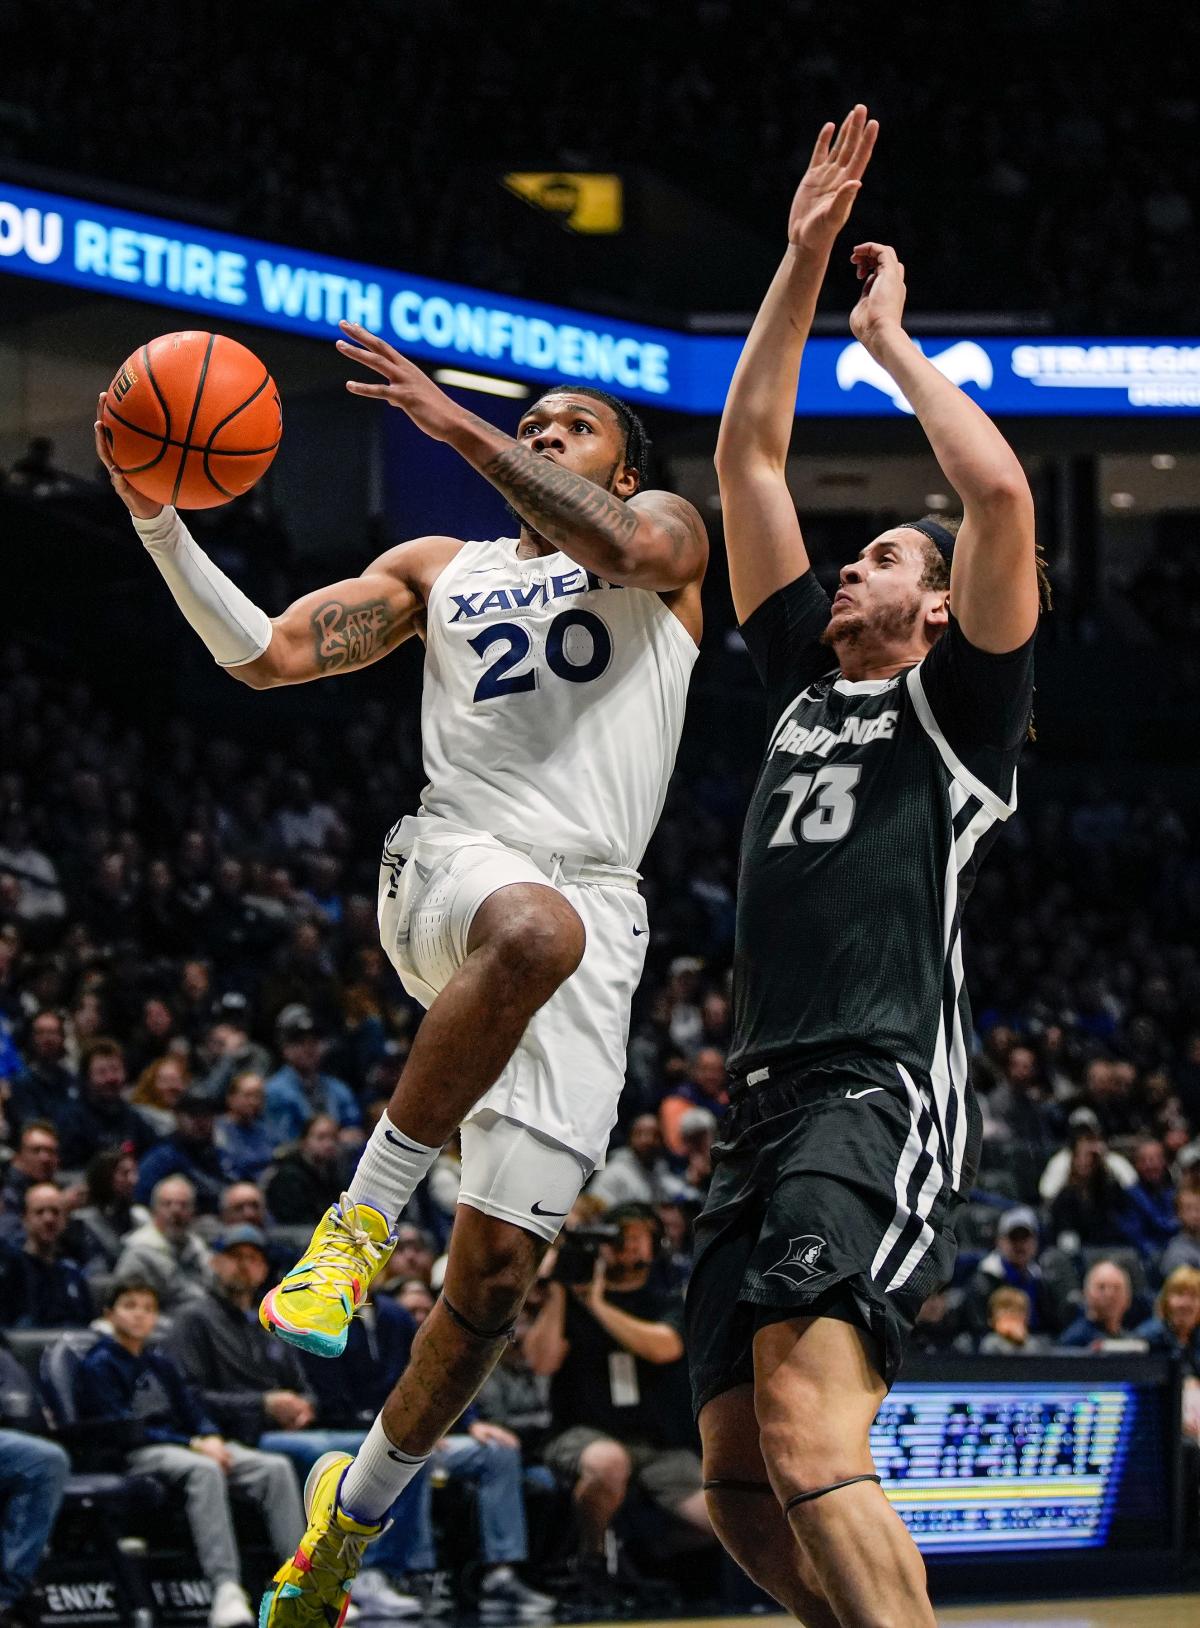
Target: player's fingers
[[369, 341], [366, 358], [356, 387], [864, 147], [820, 150], [847, 135]]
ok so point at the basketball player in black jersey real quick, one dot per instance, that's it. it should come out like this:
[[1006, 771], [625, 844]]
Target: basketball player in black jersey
[[896, 716]]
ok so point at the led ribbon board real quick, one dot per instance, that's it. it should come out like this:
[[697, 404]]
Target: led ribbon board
[[220, 278], [982, 1468]]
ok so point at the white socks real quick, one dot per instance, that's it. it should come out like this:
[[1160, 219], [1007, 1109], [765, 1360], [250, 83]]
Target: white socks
[[377, 1477], [390, 1170]]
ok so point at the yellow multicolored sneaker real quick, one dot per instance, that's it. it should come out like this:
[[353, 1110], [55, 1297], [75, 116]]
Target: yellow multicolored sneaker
[[313, 1305], [313, 1587]]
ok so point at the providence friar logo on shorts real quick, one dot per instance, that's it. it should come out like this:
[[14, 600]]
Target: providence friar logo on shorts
[[800, 1264]]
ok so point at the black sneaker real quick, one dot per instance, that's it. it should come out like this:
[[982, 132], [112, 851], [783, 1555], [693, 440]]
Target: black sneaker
[[503, 1594]]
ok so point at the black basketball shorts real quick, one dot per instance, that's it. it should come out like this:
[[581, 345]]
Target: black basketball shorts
[[828, 1199]]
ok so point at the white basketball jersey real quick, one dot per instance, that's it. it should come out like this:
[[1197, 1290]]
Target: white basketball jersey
[[553, 703]]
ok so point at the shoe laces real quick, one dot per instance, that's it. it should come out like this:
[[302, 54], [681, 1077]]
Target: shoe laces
[[347, 1242]]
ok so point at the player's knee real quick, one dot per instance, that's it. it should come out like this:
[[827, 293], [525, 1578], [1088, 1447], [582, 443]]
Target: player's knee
[[805, 1443], [541, 945], [504, 1275], [606, 1464]]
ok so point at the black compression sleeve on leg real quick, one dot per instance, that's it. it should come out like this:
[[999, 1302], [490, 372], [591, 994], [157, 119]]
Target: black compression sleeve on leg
[[819, 1492], [468, 1327], [729, 1483]]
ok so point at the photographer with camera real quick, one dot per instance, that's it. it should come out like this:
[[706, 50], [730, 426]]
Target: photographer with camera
[[610, 1332]]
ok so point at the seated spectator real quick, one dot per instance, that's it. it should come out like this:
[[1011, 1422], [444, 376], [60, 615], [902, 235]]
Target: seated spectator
[[100, 1117], [243, 1205], [152, 1039], [415, 1297], [240, 1133], [1012, 1264], [34, 1162], [309, 1178], [160, 1088], [33, 1474], [413, 1256], [299, 1090], [1175, 1326], [938, 1328], [1152, 1220], [123, 1383], [227, 1045], [707, 1086], [1184, 1248], [45, 1087], [676, 1222], [109, 1214], [1058, 1167], [638, 1173], [619, 1392], [697, 1133], [167, 1252], [1093, 1209], [1107, 1298], [246, 1380], [188, 1151], [39, 1288], [1008, 1327]]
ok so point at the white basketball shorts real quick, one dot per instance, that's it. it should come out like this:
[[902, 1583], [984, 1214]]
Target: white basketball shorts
[[565, 1077]]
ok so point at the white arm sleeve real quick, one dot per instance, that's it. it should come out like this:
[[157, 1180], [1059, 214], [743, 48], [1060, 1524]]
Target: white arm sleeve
[[232, 626]]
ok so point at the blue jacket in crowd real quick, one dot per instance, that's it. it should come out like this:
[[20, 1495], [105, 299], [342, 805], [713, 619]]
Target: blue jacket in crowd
[[148, 1390], [289, 1106]]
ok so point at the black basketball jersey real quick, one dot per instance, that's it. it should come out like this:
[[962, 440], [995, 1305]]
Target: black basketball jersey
[[875, 804]]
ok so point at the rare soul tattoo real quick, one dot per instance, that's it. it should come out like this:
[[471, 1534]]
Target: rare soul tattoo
[[558, 503], [350, 635]]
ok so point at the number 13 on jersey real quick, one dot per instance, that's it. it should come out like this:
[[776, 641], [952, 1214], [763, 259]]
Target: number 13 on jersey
[[832, 805]]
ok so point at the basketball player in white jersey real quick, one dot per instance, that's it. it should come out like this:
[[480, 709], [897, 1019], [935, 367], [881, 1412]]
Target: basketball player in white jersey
[[556, 673]]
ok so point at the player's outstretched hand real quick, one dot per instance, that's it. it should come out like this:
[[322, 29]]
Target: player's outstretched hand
[[826, 195], [881, 303], [404, 385], [142, 508]]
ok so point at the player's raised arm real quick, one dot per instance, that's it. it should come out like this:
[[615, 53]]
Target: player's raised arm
[[334, 630], [762, 534], [651, 540], [993, 580]]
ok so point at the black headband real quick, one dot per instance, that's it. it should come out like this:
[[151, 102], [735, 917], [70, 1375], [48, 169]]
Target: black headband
[[941, 539]]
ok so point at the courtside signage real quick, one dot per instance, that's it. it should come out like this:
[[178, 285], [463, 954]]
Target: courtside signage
[[220, 276]]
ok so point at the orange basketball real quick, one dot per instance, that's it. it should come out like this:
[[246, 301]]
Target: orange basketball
[[192, 419]]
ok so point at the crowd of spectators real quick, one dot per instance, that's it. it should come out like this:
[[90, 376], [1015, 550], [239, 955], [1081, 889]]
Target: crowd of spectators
[[1076, 147]]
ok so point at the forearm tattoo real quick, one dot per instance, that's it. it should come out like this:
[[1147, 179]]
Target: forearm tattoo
[[350, 635], [560, 505]]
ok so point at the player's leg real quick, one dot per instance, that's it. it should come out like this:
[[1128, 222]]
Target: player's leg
[[816, 1393], [525, 939], [747, 1516], [492, 1263], [487, 940]]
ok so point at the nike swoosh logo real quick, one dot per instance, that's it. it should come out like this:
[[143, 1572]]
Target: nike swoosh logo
[[869, 1092], [295, 1288], [639, 932], [536, 1209], [398, 1141]]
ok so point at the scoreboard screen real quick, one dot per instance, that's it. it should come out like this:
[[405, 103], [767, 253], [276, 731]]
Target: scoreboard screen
[[1032, 1455]]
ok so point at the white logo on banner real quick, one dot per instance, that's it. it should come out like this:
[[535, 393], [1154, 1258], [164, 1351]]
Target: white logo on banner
[[1150, 375], [962, 363]]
